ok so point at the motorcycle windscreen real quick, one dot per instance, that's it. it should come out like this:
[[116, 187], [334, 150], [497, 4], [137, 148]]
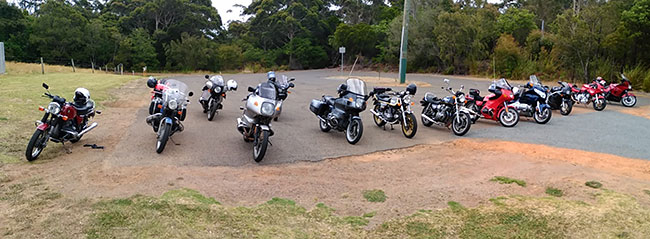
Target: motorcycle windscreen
[[502, 84], [176, 90], [356, 86], [283, 81], [267, 91], [534, 80], [217, 80]]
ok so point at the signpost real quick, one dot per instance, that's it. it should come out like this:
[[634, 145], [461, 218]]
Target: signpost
[[342, 51], [3, 68], [405, 39]]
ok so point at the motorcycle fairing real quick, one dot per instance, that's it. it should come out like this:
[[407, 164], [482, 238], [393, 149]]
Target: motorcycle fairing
[[43, 126]]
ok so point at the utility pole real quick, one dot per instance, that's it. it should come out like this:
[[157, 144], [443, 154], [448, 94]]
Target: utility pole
[[3, 68], [405, 39]]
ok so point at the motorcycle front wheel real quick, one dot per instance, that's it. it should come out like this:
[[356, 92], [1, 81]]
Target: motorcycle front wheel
[[409, 126], [354, 131], [36, 145], [163, 136], [566, 107], [378, 121], [259, 146], [461, 124], [542, 117], [629, 101], [599, 104], [212, 111], [509, 117]]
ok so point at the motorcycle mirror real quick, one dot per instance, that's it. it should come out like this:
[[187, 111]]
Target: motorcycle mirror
[[291, 85], [446, 81], [47, 87], [241, 107], [292, 79], [191, 94], [207, 76], [462, 87], [251, 89]]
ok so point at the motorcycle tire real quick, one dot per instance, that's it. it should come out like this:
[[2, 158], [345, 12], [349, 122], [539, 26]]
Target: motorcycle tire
[[36, 145], [152, 107], [476, 110], [600, 107], [410, 126], [212, 112], [354, 131], [461, 126], [260, 145], [536, 116], [630, 103], [378, 121], [566, 110], [324, 126], [509, 123], [163, 135], [426, 122]]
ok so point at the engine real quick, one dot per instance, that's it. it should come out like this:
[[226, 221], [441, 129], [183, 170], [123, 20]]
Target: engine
[[389, 113], [336, 120], [522, 107], [582, 98], [440, 113]]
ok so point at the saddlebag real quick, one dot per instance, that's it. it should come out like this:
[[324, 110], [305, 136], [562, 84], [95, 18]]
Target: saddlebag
[[318, 107]]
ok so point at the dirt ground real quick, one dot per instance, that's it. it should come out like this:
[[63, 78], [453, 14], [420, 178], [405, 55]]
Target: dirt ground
[[421, 177]]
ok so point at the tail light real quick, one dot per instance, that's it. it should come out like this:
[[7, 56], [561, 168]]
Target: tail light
[[65, 118], [41, 108]]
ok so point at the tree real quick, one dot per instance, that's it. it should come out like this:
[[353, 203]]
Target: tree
[[14, 32], [137, 51], [508, 56], [191, 53], [518, 23], [58, 32]]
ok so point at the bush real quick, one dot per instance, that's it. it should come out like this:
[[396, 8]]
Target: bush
[[507, 56], [638, 76]]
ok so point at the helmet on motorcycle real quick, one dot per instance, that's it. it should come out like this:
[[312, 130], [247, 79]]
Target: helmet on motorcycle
[[270, 76], [231, 85], [342, 88], [411, 89], [81, 96], [151, 82]]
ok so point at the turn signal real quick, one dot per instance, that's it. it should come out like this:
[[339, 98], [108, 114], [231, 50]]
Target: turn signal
[[41, 108], [223, 95], [180, 112], [412, 103], [277, 109], [256, 104], [159, 106], [288, 92], [351, 99], [65, 118]]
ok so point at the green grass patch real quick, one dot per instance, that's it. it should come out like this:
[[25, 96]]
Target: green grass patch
[[369, 214], [647, 192], [455, 206], [507, 180], [594, 184], [375, 195], [554, 192], [21, 96]]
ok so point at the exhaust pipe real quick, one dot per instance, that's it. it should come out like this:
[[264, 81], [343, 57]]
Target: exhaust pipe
[[241, 126], [152, 117], [427, 118], [88, 129]]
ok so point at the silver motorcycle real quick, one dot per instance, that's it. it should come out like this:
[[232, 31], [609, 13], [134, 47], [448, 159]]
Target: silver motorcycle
[[262, 106], [214, 92]]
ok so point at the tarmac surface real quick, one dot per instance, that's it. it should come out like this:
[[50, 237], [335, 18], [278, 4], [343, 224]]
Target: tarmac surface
[[298, 137]]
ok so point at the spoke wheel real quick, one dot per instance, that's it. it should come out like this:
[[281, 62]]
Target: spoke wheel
[[36, 145], [461, 124], [378, 121], [409, 126], [427, 111]]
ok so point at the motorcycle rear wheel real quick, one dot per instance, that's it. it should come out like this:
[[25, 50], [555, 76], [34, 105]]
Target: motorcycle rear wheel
[[409, 126], [629, 101], [259, 146], [461, 125], [324, 126], [36, 145], [543, 117], [163, 136], [354, 131], [509, 117], [378, 121], [426, 111]]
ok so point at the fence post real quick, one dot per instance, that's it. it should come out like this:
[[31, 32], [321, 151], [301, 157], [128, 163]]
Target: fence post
[[42, 67], [3, 68], [73, 70], [93, 66]]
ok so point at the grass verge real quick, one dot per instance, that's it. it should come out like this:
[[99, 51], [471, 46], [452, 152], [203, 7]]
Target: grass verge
[[21, 92], [554, 192], [375, 195], [507, 180]]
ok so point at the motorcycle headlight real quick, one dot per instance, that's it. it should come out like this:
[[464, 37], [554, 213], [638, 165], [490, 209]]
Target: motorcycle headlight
[[54, 108], [629, 87], [217, 89], [393, 101], [359, 103], [407, 99], [267, 108], [461, 99], [173, 104]]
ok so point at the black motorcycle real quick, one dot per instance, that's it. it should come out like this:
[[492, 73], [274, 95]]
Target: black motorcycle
[[448, 112], [342, 113], [559, 98], [530, 101], [169, 112], [214, 92], [395, 108]]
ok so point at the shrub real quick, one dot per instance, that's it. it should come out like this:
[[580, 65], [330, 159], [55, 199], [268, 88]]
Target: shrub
[[507, 55]]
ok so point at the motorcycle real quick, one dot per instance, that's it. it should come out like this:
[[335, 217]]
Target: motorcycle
[[342, 113], [494, 106], [395, 108], [590, 93], [214, 92], [448, 111], [283, 85], [620, 92], [255, 122], [559, 98], [63, 121], [170, 112], [531, 101]]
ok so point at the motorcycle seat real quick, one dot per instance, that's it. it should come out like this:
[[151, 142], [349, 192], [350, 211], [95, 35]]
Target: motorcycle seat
[[556, 88], [84, 109], [381, 90], [383, 97], [329, 99]]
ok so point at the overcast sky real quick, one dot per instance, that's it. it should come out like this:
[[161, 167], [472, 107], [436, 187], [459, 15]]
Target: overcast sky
[[223, 7]]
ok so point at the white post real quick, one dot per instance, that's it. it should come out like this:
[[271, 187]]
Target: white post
[[3, 68], [342, 51]]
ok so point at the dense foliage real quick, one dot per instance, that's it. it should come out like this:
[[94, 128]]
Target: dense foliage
[[557, 39]]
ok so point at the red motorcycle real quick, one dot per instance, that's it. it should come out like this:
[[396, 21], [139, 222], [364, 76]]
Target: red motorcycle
[[494, 106], [63, 121], [620, 92], [590, 93]]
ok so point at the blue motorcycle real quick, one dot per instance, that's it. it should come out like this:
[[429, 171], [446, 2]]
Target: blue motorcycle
[[530, 101]]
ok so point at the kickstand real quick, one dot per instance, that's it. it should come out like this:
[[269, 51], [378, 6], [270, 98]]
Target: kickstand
[[270, 143], [172, 139], [391, 127]]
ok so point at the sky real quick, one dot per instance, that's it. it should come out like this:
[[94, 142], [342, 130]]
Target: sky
[[223, 7]]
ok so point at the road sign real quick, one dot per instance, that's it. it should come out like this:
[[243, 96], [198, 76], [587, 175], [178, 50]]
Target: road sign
[[342, 50]]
